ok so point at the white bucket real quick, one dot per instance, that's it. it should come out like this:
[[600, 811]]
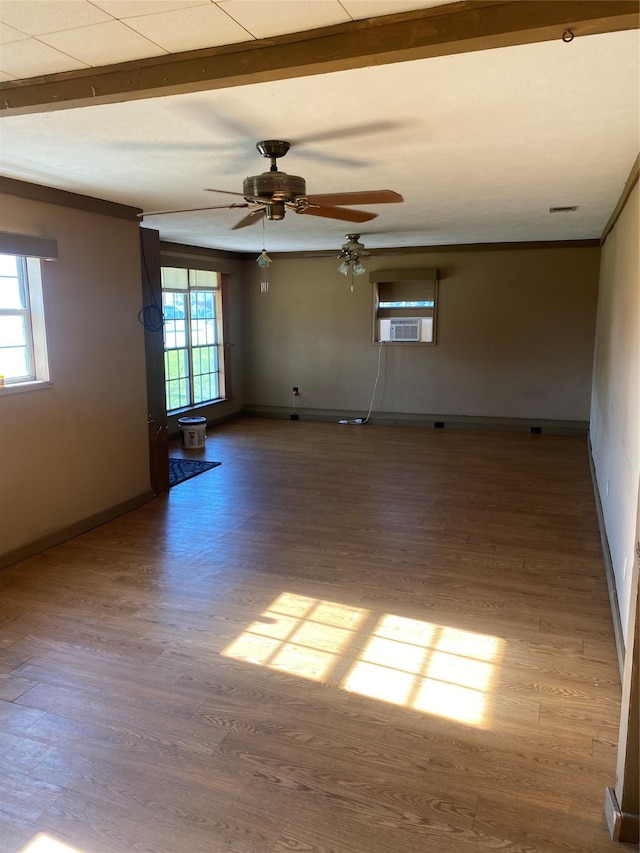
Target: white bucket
[[193, 432]]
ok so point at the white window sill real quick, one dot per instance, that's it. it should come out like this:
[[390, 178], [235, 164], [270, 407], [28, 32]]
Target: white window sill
[[22, 387], [206, 404]]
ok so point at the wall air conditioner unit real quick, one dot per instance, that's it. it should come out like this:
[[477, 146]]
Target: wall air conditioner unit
[[405, 329]]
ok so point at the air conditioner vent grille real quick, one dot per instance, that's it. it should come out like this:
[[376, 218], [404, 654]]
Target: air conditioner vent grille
[[405, 329]]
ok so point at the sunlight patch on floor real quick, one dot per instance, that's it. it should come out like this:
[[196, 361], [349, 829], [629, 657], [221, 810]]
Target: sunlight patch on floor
[[428, 667], [44, 843], [300, 635], [431, 668]]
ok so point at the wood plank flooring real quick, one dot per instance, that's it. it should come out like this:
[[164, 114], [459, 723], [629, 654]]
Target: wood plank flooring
[[345, 639]]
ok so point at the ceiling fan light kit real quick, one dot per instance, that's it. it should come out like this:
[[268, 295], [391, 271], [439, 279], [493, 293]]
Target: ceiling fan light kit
[[353, 264], [350, 256]]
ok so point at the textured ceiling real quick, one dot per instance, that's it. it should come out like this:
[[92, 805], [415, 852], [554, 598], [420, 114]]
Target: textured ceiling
[[480, 145]]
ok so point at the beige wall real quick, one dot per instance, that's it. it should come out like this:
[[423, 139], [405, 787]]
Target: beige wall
[[79, 447], [615, 409], [515, 337]]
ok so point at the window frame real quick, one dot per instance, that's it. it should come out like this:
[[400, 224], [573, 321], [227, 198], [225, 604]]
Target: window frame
[[409, 285], [191, 272], [29, 274]]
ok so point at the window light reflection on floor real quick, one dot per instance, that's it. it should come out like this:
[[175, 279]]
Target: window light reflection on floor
[[431, 668], [300, 635], [428, 667], [43, 843]]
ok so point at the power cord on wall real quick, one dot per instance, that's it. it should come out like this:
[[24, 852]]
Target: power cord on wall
[[373, 393], [151, 316]]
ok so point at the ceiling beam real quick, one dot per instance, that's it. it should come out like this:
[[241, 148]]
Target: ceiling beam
[[444, 30], [51, 195]]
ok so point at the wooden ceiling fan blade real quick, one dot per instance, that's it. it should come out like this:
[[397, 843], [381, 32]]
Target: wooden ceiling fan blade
[[364, 197], [249, 219], [343, 213], [192, 209]]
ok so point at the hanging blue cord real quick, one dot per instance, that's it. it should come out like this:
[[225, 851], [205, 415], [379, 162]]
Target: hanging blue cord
[[151, 316]]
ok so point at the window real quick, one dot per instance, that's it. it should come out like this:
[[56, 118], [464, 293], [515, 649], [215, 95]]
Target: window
[[405, 303], [23, 349], [193, 339]]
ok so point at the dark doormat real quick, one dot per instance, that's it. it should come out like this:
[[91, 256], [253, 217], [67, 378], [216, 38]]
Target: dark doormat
[[184, 469]]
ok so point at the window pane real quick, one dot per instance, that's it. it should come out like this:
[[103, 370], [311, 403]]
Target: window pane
[[204, 387], [177, 394], [175, 334], [11, 294], [13, 331], [176, 366], [207, 387], [8, 265], [174, 308], [14, 362], [205, 360], [205, 364], [418, 303], [203, 327], [202, 304], [203, 332]]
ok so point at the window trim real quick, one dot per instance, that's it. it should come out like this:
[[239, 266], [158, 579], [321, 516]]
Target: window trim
[[194, 266], [416, 277], [30, 275], [28, 246]]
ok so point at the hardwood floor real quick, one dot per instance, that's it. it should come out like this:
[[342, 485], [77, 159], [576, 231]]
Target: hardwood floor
[[345, 639]]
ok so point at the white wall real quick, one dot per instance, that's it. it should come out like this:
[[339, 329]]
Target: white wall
[[79, 447], [615, 408], [515, 337]]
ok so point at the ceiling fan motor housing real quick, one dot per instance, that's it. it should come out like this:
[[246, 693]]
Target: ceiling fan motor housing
[[274, 186], [353, 246]]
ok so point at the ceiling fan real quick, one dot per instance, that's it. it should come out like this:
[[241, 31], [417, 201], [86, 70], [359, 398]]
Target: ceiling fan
[[272, 193]]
